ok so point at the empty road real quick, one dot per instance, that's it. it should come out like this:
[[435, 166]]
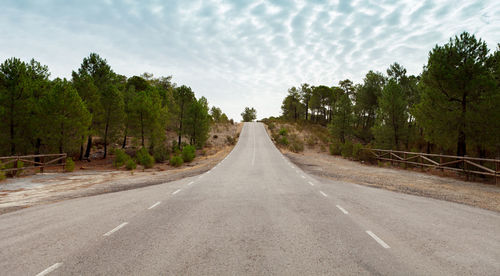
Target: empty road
[[253, 214]]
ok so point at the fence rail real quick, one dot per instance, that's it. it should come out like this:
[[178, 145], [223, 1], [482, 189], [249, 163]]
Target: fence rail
[[38, 161], [467, 165]]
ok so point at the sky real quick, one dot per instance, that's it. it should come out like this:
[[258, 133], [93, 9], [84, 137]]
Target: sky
[[241, 53]]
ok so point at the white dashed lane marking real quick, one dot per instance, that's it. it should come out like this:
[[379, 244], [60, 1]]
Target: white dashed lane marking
[[325, 195], [116, 229], [342, 209], [154, 205], [49, 269], [379, 240], [176, 191]]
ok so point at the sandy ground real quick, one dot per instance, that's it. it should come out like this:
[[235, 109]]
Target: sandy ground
[[481, 195], [99, 176]]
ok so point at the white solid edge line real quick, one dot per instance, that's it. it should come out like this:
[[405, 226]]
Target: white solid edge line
[[49, 269], [154, 205], [310, 183], [116, 229], [342, 209], [325, 195], [176, 191], [190, 183], [379, 240]]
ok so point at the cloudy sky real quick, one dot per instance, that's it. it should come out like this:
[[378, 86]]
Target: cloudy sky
[[240, 53]]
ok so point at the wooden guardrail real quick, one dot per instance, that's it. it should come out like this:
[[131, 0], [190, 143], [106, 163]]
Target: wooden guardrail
[[38, 161], [467, 165]]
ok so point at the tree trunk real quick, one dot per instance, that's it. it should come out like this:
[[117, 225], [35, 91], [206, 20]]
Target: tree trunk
[[142, 131], [106, 138], [12, 143], [180, 125], [124, 144], [89, 146], [461, 144], [81, 149]]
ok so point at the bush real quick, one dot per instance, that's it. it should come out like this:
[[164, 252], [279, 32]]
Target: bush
[[145, 159], [2, 174], [188, 153], [356, 150], [283, 141], [230, 140], [161, 154], [311, 141], [271, 126], [283, 131], [297, 146], [335, 149], [130, 164], [346, 150], [70, 165], [176, 161], [120, 158]]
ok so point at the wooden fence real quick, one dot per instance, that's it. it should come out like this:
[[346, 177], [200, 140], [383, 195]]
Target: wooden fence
[[467, 165], [39, 161]]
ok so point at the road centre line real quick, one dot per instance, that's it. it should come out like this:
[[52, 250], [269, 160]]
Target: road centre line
[[379, 240], [342, 209], [116, 229], [176, 191], [154, 205], [325, 195], [303, 176], [49, 269], [310, 183], [190, 183]]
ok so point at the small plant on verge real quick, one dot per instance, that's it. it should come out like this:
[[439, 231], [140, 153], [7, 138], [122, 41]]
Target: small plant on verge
[[70, 165]]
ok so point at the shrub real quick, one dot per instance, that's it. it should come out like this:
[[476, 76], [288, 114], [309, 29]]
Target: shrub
[[335, 148], [311, 141], [283, 141], [2, 174], [176, 161], [120, 158], [271, 126], [70, 165], [145, 159], [161, 154], [230, 140], [188, 153], [346, 149], [130, 164], [296, 145], [283, 131], [356, 150]]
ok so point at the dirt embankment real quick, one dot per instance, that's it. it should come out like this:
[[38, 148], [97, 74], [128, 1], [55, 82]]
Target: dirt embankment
[[99, 176], [316, 160]]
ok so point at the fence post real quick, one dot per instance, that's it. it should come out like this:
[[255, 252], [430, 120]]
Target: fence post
[[441, 162], [465, 167], [406, 164], [42, 160], [390, 155], [497, 169]]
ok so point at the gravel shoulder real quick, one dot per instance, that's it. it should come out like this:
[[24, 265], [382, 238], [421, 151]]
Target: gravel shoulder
[[399, 180], [47, 188]]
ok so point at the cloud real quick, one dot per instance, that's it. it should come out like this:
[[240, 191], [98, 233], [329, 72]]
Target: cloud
[[241, 53]]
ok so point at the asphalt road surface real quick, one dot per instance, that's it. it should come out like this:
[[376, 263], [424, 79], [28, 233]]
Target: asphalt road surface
[[253, 214]]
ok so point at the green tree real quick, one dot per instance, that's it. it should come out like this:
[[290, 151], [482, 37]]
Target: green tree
[[366, 99], [391, 124], [184, 97], [197, 122], [305, 96], [456, 84], [249, 114], [292, 107], [69, 119], [216, 114], [341, 125]]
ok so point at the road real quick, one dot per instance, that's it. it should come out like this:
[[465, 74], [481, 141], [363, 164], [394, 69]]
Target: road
[[255, 213]]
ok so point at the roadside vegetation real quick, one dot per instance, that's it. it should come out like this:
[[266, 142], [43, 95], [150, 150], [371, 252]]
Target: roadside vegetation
[[452, 107], [142, 120]]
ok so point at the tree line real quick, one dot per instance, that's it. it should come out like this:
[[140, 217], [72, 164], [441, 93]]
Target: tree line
[[40, 115], [452, 107]]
